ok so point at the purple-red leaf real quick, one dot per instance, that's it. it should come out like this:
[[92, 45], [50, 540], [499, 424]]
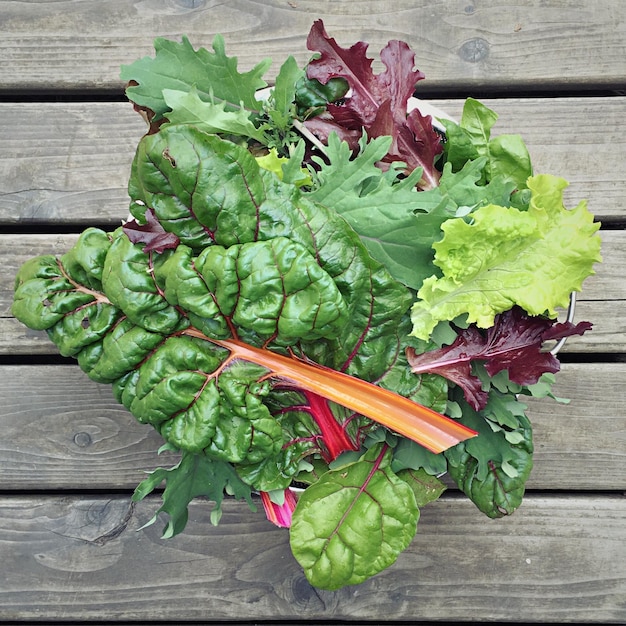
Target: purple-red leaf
[[156, 238], [513, 343], [378, 102]]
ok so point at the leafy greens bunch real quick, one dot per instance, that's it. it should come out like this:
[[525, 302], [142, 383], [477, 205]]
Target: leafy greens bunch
[[318, 288]]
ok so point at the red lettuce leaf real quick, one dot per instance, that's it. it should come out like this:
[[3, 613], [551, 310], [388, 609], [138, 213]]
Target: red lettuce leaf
[[151, 233], [377, 103], [513, 343]]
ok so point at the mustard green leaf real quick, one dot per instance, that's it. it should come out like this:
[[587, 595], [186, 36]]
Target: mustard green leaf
[[509, 160], [385, 211], [187, 108], [505, 156], [282, 97], [492, 470], [409, 455], [193, 476], [177, 66]]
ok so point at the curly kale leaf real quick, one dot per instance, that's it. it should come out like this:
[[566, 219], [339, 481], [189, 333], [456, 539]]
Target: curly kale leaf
[[193, 476], [492, 469]]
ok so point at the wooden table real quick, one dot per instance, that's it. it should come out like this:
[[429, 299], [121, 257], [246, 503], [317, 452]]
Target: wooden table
[[71, 547]]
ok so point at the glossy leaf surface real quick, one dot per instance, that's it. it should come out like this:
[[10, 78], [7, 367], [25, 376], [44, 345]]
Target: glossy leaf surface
[[353, 522]]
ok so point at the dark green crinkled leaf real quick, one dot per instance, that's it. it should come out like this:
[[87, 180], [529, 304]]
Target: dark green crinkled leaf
[[212, 192], [273, 289], [129, 282], [121, 350], [353, 522], [44, 295]]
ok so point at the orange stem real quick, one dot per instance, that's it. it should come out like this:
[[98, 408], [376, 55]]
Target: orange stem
[[430, 429]]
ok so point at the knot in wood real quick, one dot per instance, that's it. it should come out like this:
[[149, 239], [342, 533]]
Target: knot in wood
[[191, 4], [474, 50], [307, 596], [83, 439]]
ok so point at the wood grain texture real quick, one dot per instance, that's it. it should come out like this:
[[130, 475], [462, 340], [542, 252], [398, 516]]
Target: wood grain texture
[[555, 559], [70, 162], [66, 162], [80, 44], [63, 431]]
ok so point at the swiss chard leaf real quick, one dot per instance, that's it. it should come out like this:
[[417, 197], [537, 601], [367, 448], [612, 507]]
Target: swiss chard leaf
[[426, 488], [209, 191], [353, 522], [298, 275]]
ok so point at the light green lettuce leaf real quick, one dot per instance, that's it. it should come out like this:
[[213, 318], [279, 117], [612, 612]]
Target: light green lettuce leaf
[[504, 257]]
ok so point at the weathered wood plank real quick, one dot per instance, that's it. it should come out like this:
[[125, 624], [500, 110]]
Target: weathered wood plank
[[603, 293], [69, 162], [555, 559], [81, 44], [63, 431], [66, 162]]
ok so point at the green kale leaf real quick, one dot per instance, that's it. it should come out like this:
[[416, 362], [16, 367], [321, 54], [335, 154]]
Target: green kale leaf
[[177, 66]]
